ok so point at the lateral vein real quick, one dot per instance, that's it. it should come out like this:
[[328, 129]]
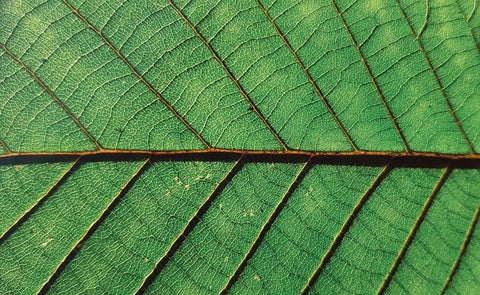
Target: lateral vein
[[53, 95], [308, 75], [435, 74], [5, 147], [344, 229], [92, 228], [27, 213], [189, 226], [137, 74], [466, 241], [411, 235], [372, 78], [267, 225], [230, 75]]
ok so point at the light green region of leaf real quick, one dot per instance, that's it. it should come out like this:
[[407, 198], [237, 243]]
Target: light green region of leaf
[[158, 207], [314, 215], [72, 61], [336, 69], [428, 262], [34, 249], [448, 45], [182, 70], [466, 280], [471, 15], [371, 245], [213, 250], [42, 125], [244, 147], [396, 60], [31, 181]]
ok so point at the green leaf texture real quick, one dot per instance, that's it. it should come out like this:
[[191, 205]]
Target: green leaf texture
[[243, 147]]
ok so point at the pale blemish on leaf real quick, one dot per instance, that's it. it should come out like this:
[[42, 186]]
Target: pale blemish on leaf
[[44, 244]]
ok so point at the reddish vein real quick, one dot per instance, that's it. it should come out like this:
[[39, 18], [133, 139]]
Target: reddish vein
[[413, 231], [230, 75], [345, 227], [372, 78], [437, 78], [310, 78], [55, 98], [137, 74]]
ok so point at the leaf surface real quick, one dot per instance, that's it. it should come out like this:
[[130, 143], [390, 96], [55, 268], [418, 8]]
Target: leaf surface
[[240, 147]]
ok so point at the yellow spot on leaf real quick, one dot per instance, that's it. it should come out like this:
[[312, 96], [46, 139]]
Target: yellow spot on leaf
[[18, 168], [256, 277], [44, 244], [248, 213], [187, 186]]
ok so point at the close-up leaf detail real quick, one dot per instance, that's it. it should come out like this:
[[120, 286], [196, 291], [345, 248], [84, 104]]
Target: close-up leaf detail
[[239, 146]]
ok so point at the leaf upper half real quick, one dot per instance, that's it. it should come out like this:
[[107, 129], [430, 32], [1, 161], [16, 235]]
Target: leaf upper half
[[238, 75]]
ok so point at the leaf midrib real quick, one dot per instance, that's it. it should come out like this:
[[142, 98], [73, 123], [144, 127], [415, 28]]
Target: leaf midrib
[[279, 155]]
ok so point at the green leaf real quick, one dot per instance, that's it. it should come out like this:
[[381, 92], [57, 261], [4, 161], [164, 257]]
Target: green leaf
[[240, 147]]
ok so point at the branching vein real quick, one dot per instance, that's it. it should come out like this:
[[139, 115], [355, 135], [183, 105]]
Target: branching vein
[[345, 227], [413, 231], [309, 77], [231, 76], [137, 74], [437, 78], [53, 95], [372, 77]]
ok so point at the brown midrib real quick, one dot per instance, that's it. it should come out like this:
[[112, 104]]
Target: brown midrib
[[286, 156]]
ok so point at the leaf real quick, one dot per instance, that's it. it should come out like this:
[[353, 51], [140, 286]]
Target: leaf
[[239, 147]]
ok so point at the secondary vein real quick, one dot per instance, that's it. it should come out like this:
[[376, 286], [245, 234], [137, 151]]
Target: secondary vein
[[372, 77], [267, 225], [466, 241], [309, 76], [435, 74], [28, 212], [413, 231], [53, 95], [231, 76], [107, 210], [190, 225], [5, 147], [345, 227], [137, 74]]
